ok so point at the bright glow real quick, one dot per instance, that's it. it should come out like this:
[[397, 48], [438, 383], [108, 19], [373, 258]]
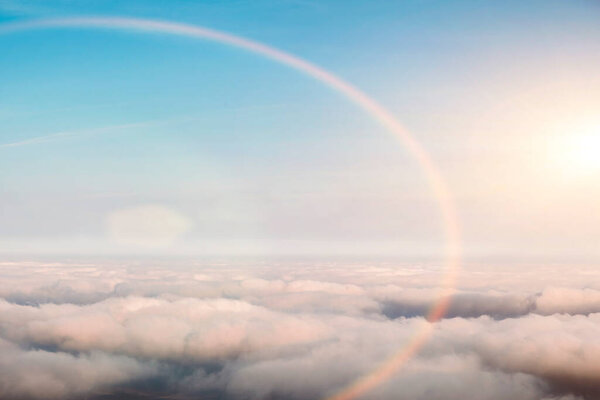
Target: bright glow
[[585, 151], [578, 153]]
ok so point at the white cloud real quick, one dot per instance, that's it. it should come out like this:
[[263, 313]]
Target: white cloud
[[291, 330], [55, 375]]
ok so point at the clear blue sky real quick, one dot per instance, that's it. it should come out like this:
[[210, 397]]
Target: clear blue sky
[[234, 153]]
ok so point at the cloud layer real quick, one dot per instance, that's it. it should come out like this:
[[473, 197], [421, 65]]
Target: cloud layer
[[302, 330]]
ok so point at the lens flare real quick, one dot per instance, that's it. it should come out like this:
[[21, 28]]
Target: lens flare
[[438, 187]]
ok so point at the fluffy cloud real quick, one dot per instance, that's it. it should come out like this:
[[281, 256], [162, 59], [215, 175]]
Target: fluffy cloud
[[36, 373], [290, 330]]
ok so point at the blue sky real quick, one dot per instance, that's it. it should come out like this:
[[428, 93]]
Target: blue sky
[[255, 157]]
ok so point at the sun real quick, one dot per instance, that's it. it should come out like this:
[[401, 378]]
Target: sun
[[585, 150], [577, 150]]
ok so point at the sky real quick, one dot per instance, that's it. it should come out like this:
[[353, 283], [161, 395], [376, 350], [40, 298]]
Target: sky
[[184, 219], [120, 142]]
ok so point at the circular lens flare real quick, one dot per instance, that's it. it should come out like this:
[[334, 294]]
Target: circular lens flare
[[438, 187]]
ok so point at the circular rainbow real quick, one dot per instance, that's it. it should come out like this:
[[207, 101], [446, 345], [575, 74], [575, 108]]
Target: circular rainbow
[[438, 187]]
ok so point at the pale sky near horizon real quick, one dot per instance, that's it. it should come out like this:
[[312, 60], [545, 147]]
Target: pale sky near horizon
[[120, 142]]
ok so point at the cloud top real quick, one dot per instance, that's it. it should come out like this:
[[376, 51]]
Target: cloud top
[[287, 330]]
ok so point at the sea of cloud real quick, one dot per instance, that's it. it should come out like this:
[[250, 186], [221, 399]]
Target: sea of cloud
[[108, 329]]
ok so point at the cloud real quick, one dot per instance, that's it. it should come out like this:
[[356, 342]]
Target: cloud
[[244, 330], [568, 301], [70, 134], [35, 373]]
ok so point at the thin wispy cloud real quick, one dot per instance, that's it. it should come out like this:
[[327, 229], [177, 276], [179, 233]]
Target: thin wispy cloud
[[76, 133], [63, 135]]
